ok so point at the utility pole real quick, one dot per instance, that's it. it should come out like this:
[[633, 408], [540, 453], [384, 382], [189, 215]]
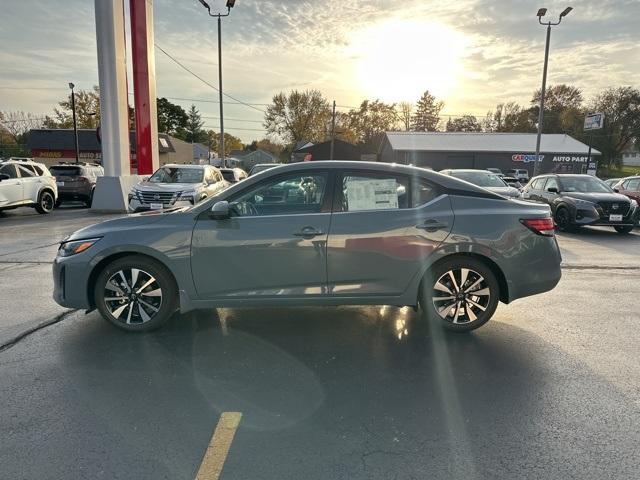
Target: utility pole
[[541, 13], [333, 129], [229, 5], [75, 123]]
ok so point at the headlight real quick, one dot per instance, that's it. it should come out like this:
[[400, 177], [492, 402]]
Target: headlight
[[634, 204], [75, 246], [579, 203]]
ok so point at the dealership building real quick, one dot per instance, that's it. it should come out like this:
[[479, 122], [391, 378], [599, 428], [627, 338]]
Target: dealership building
[[559, 153]]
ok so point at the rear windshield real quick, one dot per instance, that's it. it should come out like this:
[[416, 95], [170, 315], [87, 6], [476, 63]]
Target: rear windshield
[[64, 171]]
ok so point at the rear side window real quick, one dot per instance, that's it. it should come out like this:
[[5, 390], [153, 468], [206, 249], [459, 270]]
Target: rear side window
[[422, 192], [538, 183], [26, 171], [373, 191], [633, 184]]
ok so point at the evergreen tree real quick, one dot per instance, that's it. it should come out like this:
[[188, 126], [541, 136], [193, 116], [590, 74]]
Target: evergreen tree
[[427, 113], [194, 132]]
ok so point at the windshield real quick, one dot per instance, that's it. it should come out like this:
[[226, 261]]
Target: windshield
[[585, 184], [480, 178], [177, 175]]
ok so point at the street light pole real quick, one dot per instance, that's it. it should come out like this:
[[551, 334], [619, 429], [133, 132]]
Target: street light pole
[[230, 4], [75, 123], [541, 13]]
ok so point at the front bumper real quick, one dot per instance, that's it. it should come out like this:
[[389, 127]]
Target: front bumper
[[70, 282], [596, 216], [136, 205]]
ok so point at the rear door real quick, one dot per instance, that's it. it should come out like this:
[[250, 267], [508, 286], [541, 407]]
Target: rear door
[[31, 182], [11, 188], [631, 188], [383, 228]]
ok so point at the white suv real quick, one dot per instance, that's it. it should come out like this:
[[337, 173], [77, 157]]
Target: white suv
[[25, 183]]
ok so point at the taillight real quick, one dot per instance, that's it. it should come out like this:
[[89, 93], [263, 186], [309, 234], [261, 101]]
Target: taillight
[[541, 226]]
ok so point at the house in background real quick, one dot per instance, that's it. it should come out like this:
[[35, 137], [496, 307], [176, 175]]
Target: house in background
[[246, 159], [631, 157], [322, 151], [201, 154]]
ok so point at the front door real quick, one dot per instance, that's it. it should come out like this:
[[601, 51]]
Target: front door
[[11, 188], [274, 244], [383, 229]]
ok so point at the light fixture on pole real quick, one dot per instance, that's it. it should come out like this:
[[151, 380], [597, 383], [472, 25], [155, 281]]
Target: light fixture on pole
[[541, 13], [229, 5], [75, 123]]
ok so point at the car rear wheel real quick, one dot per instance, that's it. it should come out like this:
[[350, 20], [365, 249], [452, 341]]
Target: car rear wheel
[[460, 294], [89, 200], [46, 202], [136, 294], [624, 229], [563, 220]]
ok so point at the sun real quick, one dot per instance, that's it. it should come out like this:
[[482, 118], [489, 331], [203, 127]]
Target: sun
[[399, 59]]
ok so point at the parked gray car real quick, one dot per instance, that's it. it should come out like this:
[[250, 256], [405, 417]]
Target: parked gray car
[[317, 233], [485, 179]]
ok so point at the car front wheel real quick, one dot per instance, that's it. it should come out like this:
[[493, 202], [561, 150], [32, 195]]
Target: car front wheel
[[624, 229], [563, 220], [136, 293], [461, 294]]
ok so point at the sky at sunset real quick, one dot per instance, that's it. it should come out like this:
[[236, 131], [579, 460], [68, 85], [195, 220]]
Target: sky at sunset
[[472, 54]]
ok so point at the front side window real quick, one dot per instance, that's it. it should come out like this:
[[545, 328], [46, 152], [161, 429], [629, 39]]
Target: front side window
[[364, 191], [177, 175], [552, 183], [295, 194], [633, 185], [9, 170], [538, 183]]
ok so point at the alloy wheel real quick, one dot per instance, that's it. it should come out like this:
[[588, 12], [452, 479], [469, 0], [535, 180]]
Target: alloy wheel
[[132, 296], [47, 202], [461, 295]]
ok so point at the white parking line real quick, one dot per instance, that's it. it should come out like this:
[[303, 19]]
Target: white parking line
[[218, 449]]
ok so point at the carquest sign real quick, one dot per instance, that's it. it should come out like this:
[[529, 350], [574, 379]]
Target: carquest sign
[[521, 157]]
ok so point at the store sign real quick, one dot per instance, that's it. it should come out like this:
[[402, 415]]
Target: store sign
[[571, 158], [594, 121], [521, 157]]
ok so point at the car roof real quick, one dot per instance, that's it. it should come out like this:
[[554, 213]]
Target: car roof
[[22, 162], [468, 170], [183, 165]]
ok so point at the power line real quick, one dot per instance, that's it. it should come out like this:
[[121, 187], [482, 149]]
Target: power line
[[236, 128], [232, 119], [177, 62]]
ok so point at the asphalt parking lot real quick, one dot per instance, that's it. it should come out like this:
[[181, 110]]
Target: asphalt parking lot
[[549, 388]]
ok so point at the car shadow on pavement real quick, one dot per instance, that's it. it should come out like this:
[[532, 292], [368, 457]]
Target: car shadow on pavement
[[370, 392]]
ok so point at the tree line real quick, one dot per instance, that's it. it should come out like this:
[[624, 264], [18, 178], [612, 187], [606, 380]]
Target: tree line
[[307, 116]]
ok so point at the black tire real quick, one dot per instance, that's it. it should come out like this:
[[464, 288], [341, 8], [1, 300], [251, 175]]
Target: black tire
[[624, 229], [563, 220], [133, 310], [461, 313], [46, 202], [89, 201]]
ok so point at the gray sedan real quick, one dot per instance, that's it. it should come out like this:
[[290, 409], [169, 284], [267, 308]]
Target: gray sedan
[[485, 179], [317, 233]]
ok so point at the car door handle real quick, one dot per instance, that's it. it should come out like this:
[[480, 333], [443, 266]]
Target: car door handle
[[308, 232], [432, 225]]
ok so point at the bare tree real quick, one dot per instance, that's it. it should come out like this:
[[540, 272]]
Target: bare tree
[[17, 123], [300, 115], [405, 111]]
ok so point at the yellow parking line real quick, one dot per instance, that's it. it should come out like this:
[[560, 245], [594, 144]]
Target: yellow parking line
[[218, 449]]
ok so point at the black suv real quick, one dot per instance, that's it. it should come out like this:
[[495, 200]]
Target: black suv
[[76, 181], [578, 200]]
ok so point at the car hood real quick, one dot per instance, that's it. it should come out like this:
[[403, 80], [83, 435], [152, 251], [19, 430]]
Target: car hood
[[124, 223], [506, 191], [166, 187], [596, 197]]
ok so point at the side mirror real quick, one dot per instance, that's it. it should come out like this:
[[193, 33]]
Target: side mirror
[[552, 190], [220, 210], [617, 190], [4, 176]]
